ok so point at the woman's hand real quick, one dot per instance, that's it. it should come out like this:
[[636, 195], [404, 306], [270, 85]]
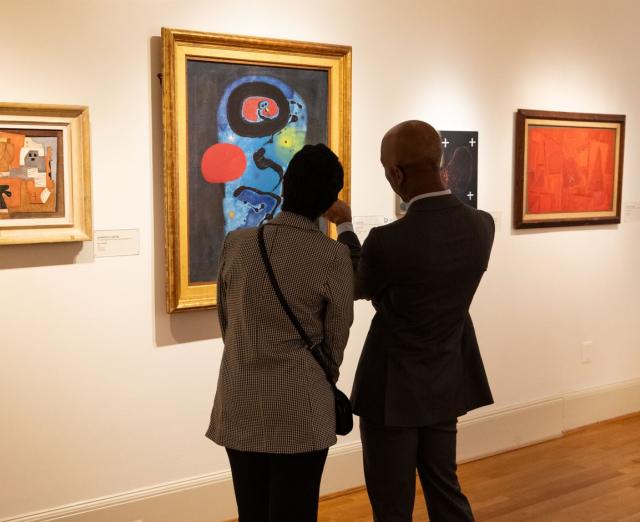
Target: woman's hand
[[339, 213]]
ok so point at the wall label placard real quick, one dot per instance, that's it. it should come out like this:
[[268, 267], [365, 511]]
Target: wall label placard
[[362, 225], [116, 243], [631, 212]]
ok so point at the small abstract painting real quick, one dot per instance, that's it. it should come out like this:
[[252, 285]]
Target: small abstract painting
[[31, 173], [44, 155], [459, 171], [568, 168], [236, 110]]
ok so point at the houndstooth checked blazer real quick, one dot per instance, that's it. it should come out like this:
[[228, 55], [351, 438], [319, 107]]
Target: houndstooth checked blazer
[[272, 395]]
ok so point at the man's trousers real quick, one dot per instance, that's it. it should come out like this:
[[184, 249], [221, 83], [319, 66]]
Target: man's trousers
[[391, 457]]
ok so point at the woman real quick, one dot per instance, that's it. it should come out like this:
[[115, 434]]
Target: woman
[[274, 408]]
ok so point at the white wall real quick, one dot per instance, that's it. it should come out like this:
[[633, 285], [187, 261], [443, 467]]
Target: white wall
[[101, 392]]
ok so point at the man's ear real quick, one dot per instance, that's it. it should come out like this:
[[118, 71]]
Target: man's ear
[[397, 178], [398, 175]]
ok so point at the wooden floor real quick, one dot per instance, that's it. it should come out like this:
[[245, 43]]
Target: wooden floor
[[591, 475]]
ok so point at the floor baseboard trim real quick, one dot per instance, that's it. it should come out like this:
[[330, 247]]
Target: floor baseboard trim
[[147, 493], [507, 430], [605, 421], [594, 405], [480, 435]]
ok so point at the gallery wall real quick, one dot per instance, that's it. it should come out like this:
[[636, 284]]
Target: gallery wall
[[104, 393]]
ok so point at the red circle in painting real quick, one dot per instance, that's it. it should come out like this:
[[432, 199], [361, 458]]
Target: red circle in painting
[[223, 162]]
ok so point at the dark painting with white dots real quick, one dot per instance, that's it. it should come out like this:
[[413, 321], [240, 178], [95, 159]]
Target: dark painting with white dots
[[459, 170], [460, 164]]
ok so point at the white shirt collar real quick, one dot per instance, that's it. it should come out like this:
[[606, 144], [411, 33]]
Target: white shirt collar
[[428, 195]]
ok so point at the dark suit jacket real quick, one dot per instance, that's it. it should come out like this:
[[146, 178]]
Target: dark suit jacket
[[421, 363]]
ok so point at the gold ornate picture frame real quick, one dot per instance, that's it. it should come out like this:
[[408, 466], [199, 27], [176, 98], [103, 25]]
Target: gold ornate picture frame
[[45, 174], [235, 110]]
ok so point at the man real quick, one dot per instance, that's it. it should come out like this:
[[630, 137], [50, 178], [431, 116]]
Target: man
[[420, 368]]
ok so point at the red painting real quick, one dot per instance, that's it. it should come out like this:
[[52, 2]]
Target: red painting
[[570, 169]]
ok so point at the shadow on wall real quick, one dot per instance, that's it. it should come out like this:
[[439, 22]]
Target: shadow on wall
[[184, 327], [45, 254], [551, 230]]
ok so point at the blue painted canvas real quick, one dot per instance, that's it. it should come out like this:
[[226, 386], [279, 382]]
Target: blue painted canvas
[[245, 123]]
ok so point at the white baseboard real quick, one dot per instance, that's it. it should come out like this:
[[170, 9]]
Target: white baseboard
[[343, 469], [196, 498], [508, 429], [210, 497], [602, 403]]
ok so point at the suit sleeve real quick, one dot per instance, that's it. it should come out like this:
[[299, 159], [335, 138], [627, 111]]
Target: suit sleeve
[[221, 301], [338, 291], [369, 278], [350, 239]]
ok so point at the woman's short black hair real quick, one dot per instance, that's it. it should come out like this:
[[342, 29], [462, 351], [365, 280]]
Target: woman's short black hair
[[312, 181]]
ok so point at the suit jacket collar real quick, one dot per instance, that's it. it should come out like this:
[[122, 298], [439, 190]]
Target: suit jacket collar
[[291, 219], [435, 203]]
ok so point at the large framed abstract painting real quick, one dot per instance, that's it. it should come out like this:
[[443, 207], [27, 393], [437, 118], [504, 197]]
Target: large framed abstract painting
[[459, 170], [568, 168], [235, 111], [45, 174]]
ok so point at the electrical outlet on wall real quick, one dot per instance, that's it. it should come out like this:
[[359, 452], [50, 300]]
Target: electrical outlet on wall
[[587, 352]]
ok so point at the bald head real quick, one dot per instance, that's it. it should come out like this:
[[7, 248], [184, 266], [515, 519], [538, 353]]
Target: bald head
[[413, 143], [411, 153]]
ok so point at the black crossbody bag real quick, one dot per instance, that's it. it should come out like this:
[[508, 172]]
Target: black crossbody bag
[[344, 416]]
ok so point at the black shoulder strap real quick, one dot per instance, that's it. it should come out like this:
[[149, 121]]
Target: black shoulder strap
[[278, 291], [313, 348]]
